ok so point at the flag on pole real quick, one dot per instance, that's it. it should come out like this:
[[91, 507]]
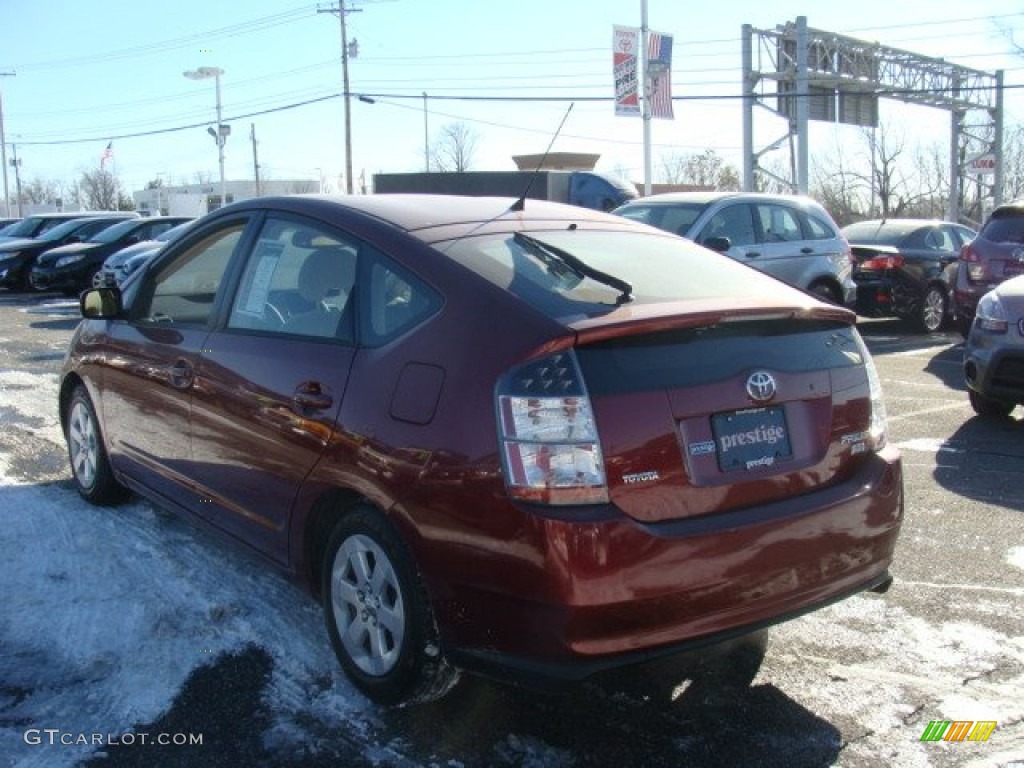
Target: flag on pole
[[108, 154], [625, 60], [659, 74]]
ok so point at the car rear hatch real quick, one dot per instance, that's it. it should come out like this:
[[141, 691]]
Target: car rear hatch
[[725, 412]]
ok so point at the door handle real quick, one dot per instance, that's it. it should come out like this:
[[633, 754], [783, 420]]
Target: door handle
[[310, 395], [752, 254], [181, 374], [806, 249]]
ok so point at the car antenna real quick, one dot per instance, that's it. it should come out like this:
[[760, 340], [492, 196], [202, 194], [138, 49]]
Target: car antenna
[[520, 204]]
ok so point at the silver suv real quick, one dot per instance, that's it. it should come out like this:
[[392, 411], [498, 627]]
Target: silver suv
[[788, 237]]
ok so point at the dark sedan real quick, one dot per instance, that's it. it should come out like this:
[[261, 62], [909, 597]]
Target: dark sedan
[[17, 257], [517, 437], [71, 268], [906, 268]]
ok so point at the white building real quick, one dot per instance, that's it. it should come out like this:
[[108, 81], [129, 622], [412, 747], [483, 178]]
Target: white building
[[199, 199]]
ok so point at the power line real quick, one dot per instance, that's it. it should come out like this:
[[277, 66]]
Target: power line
[[489, 99]]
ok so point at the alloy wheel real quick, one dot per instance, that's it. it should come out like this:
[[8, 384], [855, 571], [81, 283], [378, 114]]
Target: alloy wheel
[[369, 609]]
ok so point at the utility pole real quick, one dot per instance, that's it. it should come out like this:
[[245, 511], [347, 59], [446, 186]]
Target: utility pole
[[3, 149], [255, 160], [342, 11], [16, 162]]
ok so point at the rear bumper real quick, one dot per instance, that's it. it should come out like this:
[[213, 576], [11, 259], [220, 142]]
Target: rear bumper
[[611, 592], [992, 369]]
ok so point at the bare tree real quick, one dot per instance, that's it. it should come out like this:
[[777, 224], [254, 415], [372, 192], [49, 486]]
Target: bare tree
[[101, 191], [706, 170], [454, 148], [841, 191], [39, 191]]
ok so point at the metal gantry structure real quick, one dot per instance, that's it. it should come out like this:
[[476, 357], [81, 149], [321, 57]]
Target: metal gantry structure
[[802, 74]]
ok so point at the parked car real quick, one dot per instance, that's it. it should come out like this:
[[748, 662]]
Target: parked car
[[5, 223], [18, 256], [907, 268], [70, 268], [538, 442], [994, 350], [789, 237], [996, 254], [120, 264], [35, 225]]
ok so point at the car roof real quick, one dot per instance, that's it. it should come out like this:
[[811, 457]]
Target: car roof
[[896, 225], [711, 196], [453, 214]]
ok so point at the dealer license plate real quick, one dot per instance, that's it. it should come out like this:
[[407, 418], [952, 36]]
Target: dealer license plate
[[750, 438]]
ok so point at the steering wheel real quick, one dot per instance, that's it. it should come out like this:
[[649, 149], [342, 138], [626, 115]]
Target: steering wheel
[[273, 314]]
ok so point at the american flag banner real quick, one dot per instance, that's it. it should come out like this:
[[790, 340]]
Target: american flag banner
[[108, 154], [625, 60], [659, 74]]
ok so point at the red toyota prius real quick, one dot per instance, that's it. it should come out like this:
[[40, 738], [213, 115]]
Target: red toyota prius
[[518, 438]]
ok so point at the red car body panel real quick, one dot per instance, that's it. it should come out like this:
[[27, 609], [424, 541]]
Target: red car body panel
[[683, 552]]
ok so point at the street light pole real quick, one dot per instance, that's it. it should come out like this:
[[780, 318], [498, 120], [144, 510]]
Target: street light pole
[[221, 134], [3, 149]]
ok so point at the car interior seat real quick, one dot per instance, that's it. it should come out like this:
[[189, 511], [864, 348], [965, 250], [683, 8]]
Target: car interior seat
[[325, 281]]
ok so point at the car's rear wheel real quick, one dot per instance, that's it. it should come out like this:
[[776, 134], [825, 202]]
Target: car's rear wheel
[[379, 617], [90, 466], [987, 406], [826, 292], [932, 315]]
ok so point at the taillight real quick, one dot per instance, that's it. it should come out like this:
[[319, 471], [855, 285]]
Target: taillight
[[975, 266], [877, 428], [882, 262], [549, 443]]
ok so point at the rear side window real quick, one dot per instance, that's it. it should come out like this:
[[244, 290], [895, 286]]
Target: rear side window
[[395, 301]]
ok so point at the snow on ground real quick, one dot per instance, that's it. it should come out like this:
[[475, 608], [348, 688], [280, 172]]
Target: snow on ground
[[106, 612]]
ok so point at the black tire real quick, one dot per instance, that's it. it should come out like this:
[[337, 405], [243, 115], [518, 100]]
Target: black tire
[[90, 466], [963, 325], [931, 315], [987, 406], [378, 613]]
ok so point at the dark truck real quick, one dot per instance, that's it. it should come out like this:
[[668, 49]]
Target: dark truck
[[583, 188]]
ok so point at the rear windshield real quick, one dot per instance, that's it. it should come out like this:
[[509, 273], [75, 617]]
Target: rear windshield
[[1004, 229], [874, 233], [658, 268]]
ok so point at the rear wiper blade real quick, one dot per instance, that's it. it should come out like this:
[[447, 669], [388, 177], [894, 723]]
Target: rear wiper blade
[[546, 252]]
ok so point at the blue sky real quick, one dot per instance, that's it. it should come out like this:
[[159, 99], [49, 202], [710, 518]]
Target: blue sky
[[102, 69]]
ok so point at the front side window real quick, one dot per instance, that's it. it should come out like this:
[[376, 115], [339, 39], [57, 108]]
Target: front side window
[[182, 291], [299, 280]]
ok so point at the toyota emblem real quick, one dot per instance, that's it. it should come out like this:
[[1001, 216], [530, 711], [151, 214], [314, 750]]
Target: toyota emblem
[[761, 386]]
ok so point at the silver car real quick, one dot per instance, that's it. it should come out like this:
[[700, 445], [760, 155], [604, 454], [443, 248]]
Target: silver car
[[789, 237], [994, 351]]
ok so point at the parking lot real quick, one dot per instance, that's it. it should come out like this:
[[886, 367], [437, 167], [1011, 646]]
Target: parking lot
[[180, 633]]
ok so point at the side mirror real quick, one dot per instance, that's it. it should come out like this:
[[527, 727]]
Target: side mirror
[[100, 303], [720, 244]]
